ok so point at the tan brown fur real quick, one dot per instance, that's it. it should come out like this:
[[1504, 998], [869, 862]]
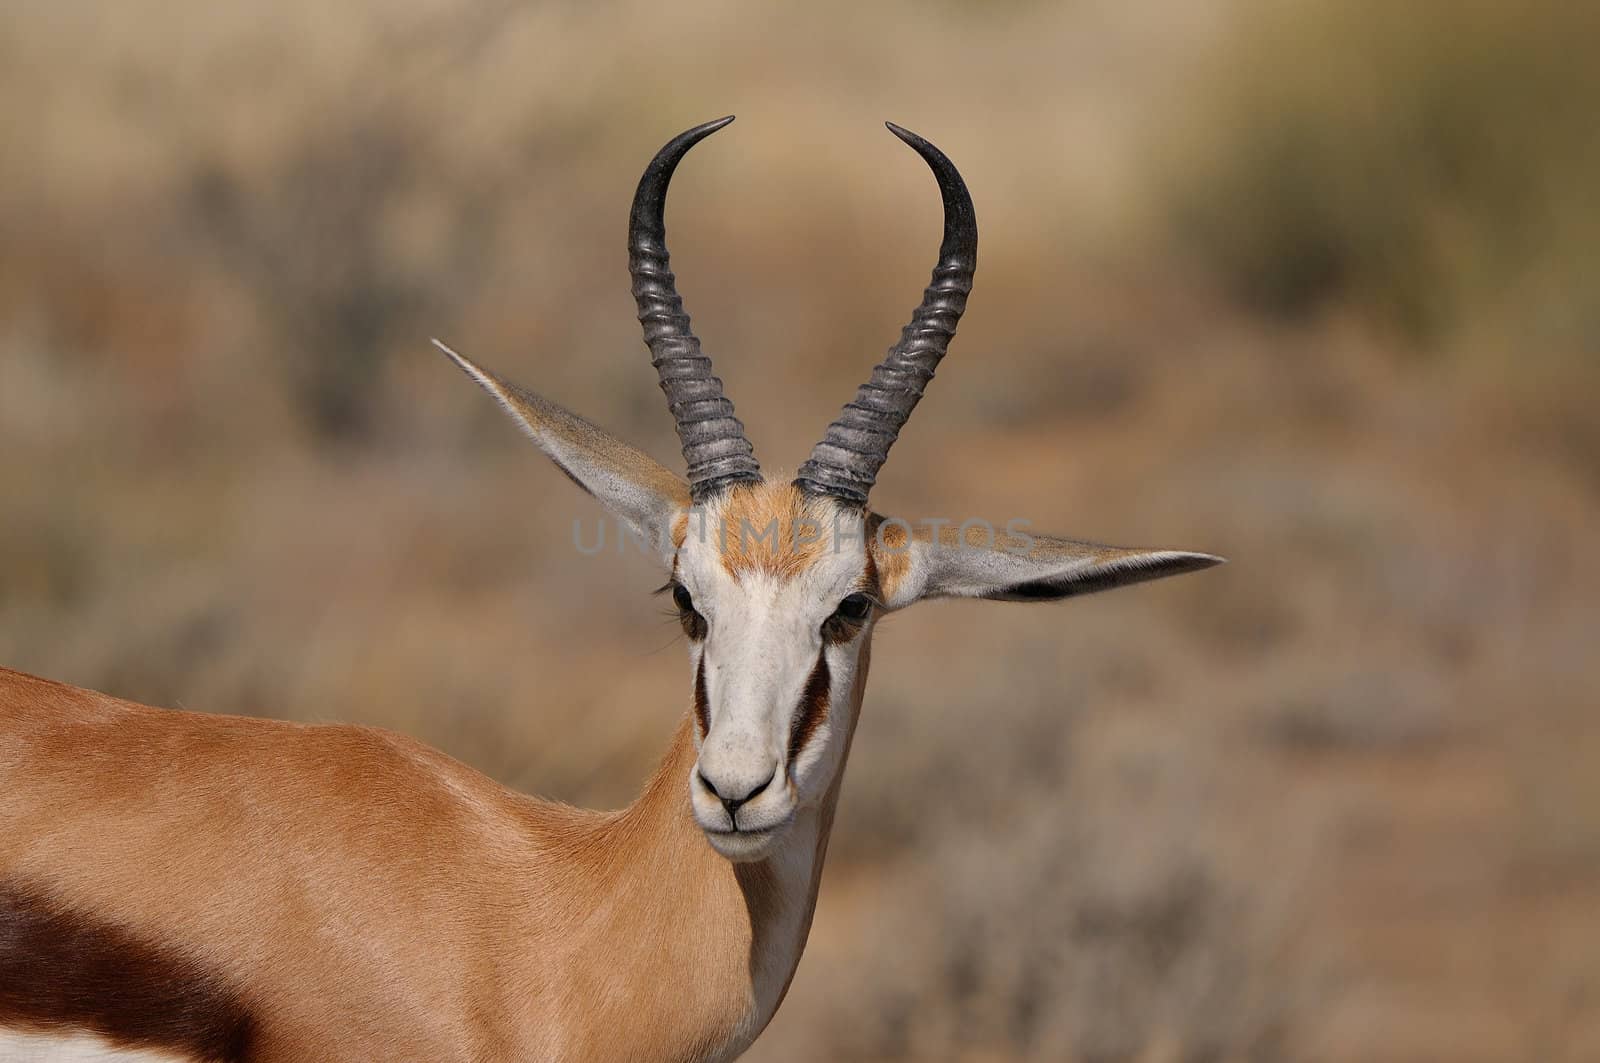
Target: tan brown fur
[[377, 900], [803, 529], [889, 547]]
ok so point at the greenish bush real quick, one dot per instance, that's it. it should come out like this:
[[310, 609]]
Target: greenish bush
[[1434, 163]]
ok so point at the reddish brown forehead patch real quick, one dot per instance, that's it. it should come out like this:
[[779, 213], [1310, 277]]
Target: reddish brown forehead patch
[[772, 528]]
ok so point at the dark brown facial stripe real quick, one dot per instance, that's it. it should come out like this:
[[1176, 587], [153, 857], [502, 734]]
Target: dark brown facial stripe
[[702, 704], [64, 969], [813, 708]]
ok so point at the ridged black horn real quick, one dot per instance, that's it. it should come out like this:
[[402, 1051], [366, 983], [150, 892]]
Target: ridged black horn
[[846, 463], [714, 443]]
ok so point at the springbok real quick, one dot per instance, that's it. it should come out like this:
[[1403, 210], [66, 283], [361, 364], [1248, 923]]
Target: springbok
[[179, 886]]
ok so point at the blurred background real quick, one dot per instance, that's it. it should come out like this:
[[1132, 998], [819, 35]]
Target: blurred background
[[1308, 283]]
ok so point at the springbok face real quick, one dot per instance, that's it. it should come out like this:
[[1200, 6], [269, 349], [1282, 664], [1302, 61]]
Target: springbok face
[[777, 593], [778, 585]]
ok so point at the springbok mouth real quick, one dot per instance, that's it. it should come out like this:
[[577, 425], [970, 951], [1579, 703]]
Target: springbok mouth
[[744, 832], [743, 846]]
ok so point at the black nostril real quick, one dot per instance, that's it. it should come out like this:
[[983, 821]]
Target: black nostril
[[732, 804]]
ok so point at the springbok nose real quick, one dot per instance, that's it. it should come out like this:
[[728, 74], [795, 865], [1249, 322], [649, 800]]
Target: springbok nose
[[733, 793]]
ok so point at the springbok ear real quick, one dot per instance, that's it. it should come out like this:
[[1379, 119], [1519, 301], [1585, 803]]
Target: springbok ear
[[977, 561], [634, 488]]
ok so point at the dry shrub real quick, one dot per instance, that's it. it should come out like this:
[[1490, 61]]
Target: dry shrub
[[1433, 163]]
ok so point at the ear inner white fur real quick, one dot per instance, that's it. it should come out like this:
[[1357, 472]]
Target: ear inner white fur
[[1049, 569], [633, 487]]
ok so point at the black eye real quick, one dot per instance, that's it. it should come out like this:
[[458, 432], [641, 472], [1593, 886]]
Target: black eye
[[845, 622], [694, 625], [855, 608]]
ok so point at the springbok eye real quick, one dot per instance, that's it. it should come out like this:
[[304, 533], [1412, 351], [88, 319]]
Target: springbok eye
[[855, 608], [845, 621], [694, 625]]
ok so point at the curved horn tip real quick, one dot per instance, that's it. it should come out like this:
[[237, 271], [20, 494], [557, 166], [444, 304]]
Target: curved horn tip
[[705, 129], [649, 199], [915, 140], [937, 160]]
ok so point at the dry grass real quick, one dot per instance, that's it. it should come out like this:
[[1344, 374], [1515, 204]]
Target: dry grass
[[1334, 801]]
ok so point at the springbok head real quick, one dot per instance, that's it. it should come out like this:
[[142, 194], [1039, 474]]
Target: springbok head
[[778, 585]]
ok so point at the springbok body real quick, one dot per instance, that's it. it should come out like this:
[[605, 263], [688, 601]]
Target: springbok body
[[177, 886]]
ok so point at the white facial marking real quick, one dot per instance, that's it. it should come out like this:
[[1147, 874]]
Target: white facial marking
[[763, 643]]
